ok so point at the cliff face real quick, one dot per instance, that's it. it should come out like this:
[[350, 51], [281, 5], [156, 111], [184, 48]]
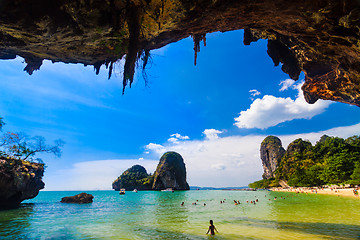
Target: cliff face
[[134, 177], [170, 173], [320, 38], [271, 152], [19, 180]]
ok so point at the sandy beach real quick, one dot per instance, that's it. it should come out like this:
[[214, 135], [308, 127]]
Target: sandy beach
[[343, 192]]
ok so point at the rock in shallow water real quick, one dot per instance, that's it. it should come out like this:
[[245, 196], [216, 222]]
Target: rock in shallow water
[[79, 198]]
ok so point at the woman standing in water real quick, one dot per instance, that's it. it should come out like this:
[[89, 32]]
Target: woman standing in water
[[212, 228]]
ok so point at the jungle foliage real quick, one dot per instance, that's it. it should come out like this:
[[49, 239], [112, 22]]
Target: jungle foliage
[[264, 183], [332, 160], [134, 177]]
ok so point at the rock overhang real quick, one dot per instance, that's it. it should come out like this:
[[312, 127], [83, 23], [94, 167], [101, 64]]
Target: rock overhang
[[319, 38]]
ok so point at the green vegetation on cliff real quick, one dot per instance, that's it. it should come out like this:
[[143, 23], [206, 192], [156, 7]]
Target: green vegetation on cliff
[[332, 160], [134, 177], [264, 183]]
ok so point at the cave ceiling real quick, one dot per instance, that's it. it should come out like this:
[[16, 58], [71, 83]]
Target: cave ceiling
[[320, 38]]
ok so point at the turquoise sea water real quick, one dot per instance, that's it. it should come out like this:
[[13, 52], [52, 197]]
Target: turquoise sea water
[[158, 215]]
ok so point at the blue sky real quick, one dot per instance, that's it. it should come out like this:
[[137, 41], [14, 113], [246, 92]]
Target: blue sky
[[215, 114]]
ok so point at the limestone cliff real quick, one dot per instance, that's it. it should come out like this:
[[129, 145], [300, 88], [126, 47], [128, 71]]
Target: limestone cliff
[[320, 38], [134, 177], [271, 152], [19, 180], [170, 173]]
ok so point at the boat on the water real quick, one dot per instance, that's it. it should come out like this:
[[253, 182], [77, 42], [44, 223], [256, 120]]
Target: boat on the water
[[168, 190], [135, 190], [122, 191]]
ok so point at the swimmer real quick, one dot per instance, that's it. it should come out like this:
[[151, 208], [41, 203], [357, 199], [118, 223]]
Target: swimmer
[[212, 228], [182, 204]]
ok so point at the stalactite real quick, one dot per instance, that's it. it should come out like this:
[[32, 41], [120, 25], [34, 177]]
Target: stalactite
[[197, 38], [133, 21]]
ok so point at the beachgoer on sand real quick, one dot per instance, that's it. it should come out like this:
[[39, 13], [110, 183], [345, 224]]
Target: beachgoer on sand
[[212, 228]]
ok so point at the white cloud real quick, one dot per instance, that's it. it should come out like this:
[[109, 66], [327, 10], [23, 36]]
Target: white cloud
[[179, 136], [270, 111], [155, 147], [174, 138], [286, 84], [254, 92], [219, 166], [211, 134]]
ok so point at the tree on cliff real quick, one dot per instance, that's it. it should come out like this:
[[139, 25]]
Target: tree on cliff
[[22, 147]]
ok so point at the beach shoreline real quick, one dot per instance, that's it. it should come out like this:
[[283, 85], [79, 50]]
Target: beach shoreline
[[338, 191]]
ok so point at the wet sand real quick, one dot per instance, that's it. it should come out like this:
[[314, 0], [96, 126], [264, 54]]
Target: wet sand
[[343, 192]]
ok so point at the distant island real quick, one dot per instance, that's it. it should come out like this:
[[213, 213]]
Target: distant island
[[331, 161], [170, 173]]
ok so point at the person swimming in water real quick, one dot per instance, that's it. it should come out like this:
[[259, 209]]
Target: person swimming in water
[[212, 228]]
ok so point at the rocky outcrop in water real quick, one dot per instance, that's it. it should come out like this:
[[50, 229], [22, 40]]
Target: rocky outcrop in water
[[19, 180], [320, 38], [271, 152], [79, 198], [170, 173], [135, 177]]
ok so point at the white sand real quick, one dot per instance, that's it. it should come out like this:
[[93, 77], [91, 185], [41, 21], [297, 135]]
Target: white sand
[[343, 192]]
